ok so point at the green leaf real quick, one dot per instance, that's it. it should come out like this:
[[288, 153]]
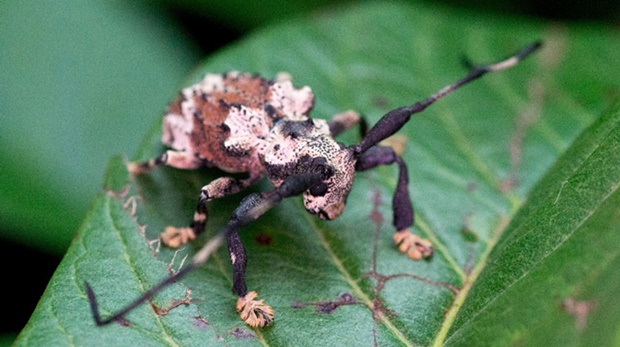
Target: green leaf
[[473, 158], [553, 276], [80, 78]]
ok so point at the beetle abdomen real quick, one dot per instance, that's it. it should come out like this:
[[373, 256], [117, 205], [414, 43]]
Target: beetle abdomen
[[224, 119]]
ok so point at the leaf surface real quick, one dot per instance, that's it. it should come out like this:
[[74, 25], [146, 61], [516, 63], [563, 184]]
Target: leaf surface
[[80, 78], [473, 159]]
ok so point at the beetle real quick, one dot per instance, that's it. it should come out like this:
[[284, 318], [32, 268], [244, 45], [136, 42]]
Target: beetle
[[244, 123]]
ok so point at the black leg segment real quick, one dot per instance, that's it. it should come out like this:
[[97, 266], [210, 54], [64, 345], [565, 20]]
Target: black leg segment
[[174, 237], [255, 312], [254, 206], [414, 246], [239, 260], [401, 202]]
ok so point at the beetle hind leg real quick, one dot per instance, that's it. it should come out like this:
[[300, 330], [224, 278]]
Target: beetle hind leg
[[176, 159]]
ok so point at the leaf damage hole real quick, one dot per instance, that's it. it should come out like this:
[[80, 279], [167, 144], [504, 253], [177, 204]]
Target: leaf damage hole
[[117, 194], [200, 322], [242, 334], [131, 204], [328, 307], [471, 237], [531, 114], [263, 239], [377, 218], [160, 311], [171, 264], [579, 309], [122, 322]]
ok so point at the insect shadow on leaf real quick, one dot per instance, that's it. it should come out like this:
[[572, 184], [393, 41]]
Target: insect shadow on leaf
[[243, 123]]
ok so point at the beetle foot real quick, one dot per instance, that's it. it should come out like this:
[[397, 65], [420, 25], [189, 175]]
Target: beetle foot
[[254, 312], [136, 169], [414, 246], [175, 237]]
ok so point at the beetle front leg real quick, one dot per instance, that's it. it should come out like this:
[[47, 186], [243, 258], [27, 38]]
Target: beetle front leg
[[255, 312], [414, 246], [174, 237]]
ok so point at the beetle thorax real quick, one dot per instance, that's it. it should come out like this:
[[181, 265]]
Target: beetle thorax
[[300, 146]]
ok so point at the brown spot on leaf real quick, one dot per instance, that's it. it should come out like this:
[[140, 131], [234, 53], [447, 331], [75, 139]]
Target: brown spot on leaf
[[117, 194], [579, 309], [468, 234], [242, 334], [297, 304], [327, 307], [380, 101], [508, 184], [200, 323], [122, 322], [347, 297], [471, 186], [263, 239]]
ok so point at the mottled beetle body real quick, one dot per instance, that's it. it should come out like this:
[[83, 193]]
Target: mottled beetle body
[[224, 120], [243, 123], [240, 122]]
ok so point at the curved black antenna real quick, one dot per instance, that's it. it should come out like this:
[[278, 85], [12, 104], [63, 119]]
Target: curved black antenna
[[250, 208], [198, 259]]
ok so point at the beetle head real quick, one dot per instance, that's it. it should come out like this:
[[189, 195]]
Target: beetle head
[[305, 145], [328, 198]]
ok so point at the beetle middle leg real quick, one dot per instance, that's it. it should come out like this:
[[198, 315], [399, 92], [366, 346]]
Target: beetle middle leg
[[223, 186], [414, 246]]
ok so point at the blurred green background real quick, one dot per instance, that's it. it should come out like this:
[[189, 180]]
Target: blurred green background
[[82, 80]]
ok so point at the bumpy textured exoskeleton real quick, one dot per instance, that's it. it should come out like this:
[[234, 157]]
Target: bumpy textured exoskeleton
[[242, 123]]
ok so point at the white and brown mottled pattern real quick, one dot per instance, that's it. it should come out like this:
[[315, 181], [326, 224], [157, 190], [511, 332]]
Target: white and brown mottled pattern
[[244, 123], [224, 119]]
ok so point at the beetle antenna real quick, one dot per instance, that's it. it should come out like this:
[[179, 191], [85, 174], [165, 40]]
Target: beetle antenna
[[198, 259], [391, 122]]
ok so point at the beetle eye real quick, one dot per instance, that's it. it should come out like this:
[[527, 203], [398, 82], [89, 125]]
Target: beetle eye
[[318, 189]]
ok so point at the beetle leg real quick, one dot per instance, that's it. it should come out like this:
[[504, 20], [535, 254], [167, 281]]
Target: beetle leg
[[255, 312], [176, 159], [411, 244], [174, 237], [344, 121]]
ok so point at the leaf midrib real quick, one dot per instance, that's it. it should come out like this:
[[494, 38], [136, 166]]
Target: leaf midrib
[[348, 278]]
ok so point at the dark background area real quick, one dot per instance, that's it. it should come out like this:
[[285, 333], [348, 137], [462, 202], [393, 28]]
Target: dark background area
[[25, 283]]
